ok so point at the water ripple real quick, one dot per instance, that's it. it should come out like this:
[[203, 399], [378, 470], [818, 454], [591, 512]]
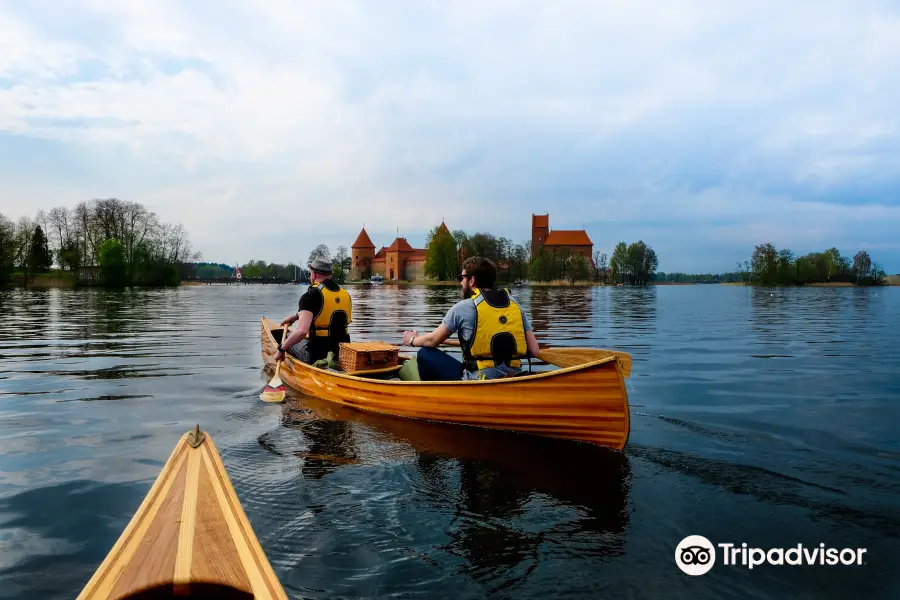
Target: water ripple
[[765, 416]]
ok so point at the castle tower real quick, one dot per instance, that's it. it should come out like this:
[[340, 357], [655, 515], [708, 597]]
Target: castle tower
[[540, 227], [362, 252]]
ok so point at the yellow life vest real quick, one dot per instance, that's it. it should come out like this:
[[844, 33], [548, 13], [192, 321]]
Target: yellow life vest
[[333, 304], [499, 331]]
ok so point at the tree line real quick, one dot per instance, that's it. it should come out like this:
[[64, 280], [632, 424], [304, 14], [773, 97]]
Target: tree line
[[770, 266], [118, 242], [254, 269], [678, 277], [260, 269], [446, 251]]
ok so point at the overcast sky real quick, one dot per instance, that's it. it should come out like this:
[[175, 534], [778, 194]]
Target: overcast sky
[[701, 127]]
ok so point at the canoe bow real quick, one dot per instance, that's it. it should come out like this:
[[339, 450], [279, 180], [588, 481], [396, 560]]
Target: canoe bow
[[189, 538]]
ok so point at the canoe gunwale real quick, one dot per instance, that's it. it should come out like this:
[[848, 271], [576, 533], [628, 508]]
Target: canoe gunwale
[[270, 325]]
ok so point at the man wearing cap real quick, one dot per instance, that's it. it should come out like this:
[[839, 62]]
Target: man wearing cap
[[324, 313]]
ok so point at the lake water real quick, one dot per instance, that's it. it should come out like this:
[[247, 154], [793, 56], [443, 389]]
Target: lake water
[[766, 417]]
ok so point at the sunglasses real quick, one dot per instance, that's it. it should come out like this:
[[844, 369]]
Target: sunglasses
[[463, 276]]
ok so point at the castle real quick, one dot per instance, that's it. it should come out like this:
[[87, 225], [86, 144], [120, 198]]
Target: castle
[[400, 261], [575, 241]]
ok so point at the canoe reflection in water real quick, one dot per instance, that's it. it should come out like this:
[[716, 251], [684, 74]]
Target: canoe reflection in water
[[508, 496], [329, 443]]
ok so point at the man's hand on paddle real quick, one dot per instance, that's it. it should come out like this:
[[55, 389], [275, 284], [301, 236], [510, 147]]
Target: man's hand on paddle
[[289, 320], [279, 355]]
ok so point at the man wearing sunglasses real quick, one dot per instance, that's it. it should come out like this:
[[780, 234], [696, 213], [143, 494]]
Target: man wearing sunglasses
[[493, 330]]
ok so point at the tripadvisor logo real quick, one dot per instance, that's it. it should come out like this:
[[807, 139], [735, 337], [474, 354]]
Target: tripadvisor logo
[[696, 555]]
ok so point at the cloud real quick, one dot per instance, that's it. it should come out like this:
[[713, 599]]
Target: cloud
[[702, 127]]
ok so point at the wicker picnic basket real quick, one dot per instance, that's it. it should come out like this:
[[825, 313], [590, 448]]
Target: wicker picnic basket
[[365, 356]]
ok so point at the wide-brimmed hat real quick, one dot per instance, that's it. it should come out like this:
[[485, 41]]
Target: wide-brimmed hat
[[321, 265]]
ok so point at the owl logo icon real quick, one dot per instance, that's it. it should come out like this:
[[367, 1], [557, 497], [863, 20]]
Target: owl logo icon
[[695, 555]]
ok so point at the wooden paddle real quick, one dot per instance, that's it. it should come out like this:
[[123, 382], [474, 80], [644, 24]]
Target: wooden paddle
[[274, 390], [564, 356]]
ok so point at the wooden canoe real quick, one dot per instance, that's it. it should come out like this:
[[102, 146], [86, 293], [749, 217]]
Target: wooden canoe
[[587, 402], [189, 538]]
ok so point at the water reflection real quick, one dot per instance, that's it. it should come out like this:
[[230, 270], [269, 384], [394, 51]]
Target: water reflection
[[493, 480], [44, 554], [439, 299], [769, 319], [324, 445], [862, 302], [484, 530], [565, 311], [633, 308]]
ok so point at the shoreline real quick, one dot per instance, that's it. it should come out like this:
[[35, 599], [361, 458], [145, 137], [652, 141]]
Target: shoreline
[[46, 282]]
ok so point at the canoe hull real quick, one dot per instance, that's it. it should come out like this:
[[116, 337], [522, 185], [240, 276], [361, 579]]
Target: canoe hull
[[189, 537], [588, 403]]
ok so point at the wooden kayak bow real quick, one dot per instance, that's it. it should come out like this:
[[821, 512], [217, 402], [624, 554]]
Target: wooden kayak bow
[[189, 537], [566, 356]]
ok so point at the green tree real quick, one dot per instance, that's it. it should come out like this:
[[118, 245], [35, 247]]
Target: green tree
[[602, 266], [7, 248], [541, 267], [24, 231], [39, 257], [560, 261], [112, 263], [343, 257], [578, 269], [485, 245], [342, 264], [786, 268], [321, 251], [765, 263], [441, 258], [70, 256], [837, 266], [618, 263], [463, 249], [862, 265], [518, 263]]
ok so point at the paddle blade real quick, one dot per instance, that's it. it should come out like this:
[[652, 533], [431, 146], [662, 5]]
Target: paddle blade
[[625, 359], [274, 390], [565, 356], [572, 357]]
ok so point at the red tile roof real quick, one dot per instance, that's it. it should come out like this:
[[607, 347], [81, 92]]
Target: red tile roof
[[568, 237], [419, 253], [363, 240], [400, 245], [380, 253], [540, 220]]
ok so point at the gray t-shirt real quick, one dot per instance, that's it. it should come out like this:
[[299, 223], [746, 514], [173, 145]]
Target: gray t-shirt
[[460, 319]]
